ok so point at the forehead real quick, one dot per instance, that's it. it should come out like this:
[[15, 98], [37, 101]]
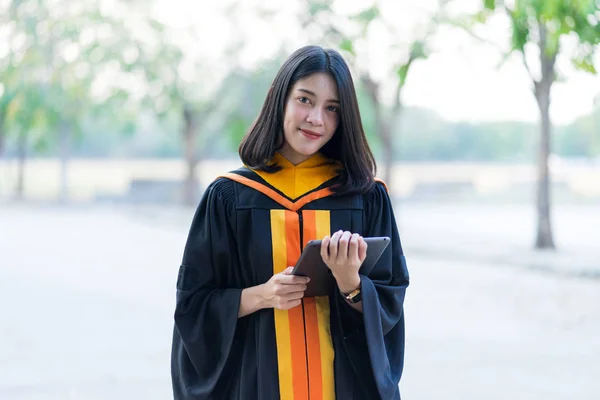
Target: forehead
[[320, 83]]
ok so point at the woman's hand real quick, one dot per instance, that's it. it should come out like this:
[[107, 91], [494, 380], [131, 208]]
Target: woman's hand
[[284, 290], [344, 253]]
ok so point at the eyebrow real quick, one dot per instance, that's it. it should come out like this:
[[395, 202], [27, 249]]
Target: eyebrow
[[313, 94]]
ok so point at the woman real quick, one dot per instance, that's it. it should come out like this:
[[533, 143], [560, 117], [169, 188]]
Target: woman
[[243, 329]]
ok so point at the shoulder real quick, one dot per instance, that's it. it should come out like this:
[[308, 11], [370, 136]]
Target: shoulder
[[222, 190], [377, 194]]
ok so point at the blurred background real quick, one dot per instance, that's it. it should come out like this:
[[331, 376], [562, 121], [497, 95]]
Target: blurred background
[[484, 117]]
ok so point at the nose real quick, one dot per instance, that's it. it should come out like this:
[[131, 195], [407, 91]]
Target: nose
[[315, 116]]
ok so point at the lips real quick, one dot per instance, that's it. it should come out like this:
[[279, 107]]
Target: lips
[[310, 134]]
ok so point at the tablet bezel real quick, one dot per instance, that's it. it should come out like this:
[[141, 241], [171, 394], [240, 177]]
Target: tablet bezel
[[311, 264]]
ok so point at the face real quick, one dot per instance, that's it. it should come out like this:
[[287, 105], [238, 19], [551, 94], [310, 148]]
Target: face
[[311, 116]]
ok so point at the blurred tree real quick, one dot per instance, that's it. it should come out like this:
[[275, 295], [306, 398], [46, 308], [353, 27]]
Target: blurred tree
[[188, 86], [543, 25], [58, 54], [351, 35], [170, 93], [18, 103], [244, 95]]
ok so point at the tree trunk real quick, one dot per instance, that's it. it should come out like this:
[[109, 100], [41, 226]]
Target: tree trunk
[[64, 150], [544, 238], [382, 127], [543, 87], [191, 187], [22, 156]]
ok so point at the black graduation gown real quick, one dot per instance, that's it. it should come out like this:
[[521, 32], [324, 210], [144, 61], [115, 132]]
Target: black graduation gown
[[232, 244]]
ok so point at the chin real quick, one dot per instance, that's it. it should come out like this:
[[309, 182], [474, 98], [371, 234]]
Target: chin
[[308, 151]]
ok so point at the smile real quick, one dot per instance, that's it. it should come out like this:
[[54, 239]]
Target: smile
[[310, 134]]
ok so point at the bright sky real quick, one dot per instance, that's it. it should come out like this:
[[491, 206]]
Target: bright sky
[[460, 80]]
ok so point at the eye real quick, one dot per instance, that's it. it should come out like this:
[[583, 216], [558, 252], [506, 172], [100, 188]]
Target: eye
[[332, 109], [304, 100]]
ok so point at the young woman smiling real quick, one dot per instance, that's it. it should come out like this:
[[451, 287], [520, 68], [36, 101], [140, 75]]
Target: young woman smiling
[[243, 327]]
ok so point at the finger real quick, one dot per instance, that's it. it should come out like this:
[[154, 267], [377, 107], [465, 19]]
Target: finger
[[292, 304], [353, 246], [288, 271], [294, 279], [300, 287], [287, 290], [343, 246], [293, 296], [325, 248], [333, 244], [362, 249]]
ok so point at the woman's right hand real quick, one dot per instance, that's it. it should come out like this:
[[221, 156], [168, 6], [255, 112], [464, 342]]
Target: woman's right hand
[[284, 290]]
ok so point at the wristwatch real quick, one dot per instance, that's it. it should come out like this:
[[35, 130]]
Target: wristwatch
[[352, 297]]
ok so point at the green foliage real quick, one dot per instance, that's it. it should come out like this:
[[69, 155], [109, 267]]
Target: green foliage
[[347, 45], [585, 64], [520, 29], [402, 73], [417, 51], [50, 77], [489, 4], [368, 15], [558, 18], [316, 7]]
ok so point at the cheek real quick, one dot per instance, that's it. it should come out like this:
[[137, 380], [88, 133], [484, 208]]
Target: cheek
[[332, 124], [292, 115], [287, 120]]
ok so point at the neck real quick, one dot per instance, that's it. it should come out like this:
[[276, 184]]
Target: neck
[[292, 157]]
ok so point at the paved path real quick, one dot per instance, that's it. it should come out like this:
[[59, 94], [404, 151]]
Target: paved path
[[86, 298]]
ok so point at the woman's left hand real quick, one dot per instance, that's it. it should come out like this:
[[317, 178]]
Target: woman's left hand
[[344, 253]]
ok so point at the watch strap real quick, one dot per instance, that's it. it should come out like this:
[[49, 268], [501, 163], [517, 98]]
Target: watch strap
[[353, 297]]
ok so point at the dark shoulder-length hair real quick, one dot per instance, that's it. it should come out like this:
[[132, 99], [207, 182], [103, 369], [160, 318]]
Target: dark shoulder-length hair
[[348, 145]]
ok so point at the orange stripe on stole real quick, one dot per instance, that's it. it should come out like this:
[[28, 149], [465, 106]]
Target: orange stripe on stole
[[316, 315], [304, 346], [289, 324], [296, 317]]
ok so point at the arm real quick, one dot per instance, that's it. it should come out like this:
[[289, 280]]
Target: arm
[[251, 301], [207, 301], [383, 291], [380, 337]]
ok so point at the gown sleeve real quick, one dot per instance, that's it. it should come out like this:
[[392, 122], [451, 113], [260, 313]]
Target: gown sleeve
[[383, 293], [207, 302]]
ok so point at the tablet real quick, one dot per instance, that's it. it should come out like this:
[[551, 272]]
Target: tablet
[[312, 265]]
